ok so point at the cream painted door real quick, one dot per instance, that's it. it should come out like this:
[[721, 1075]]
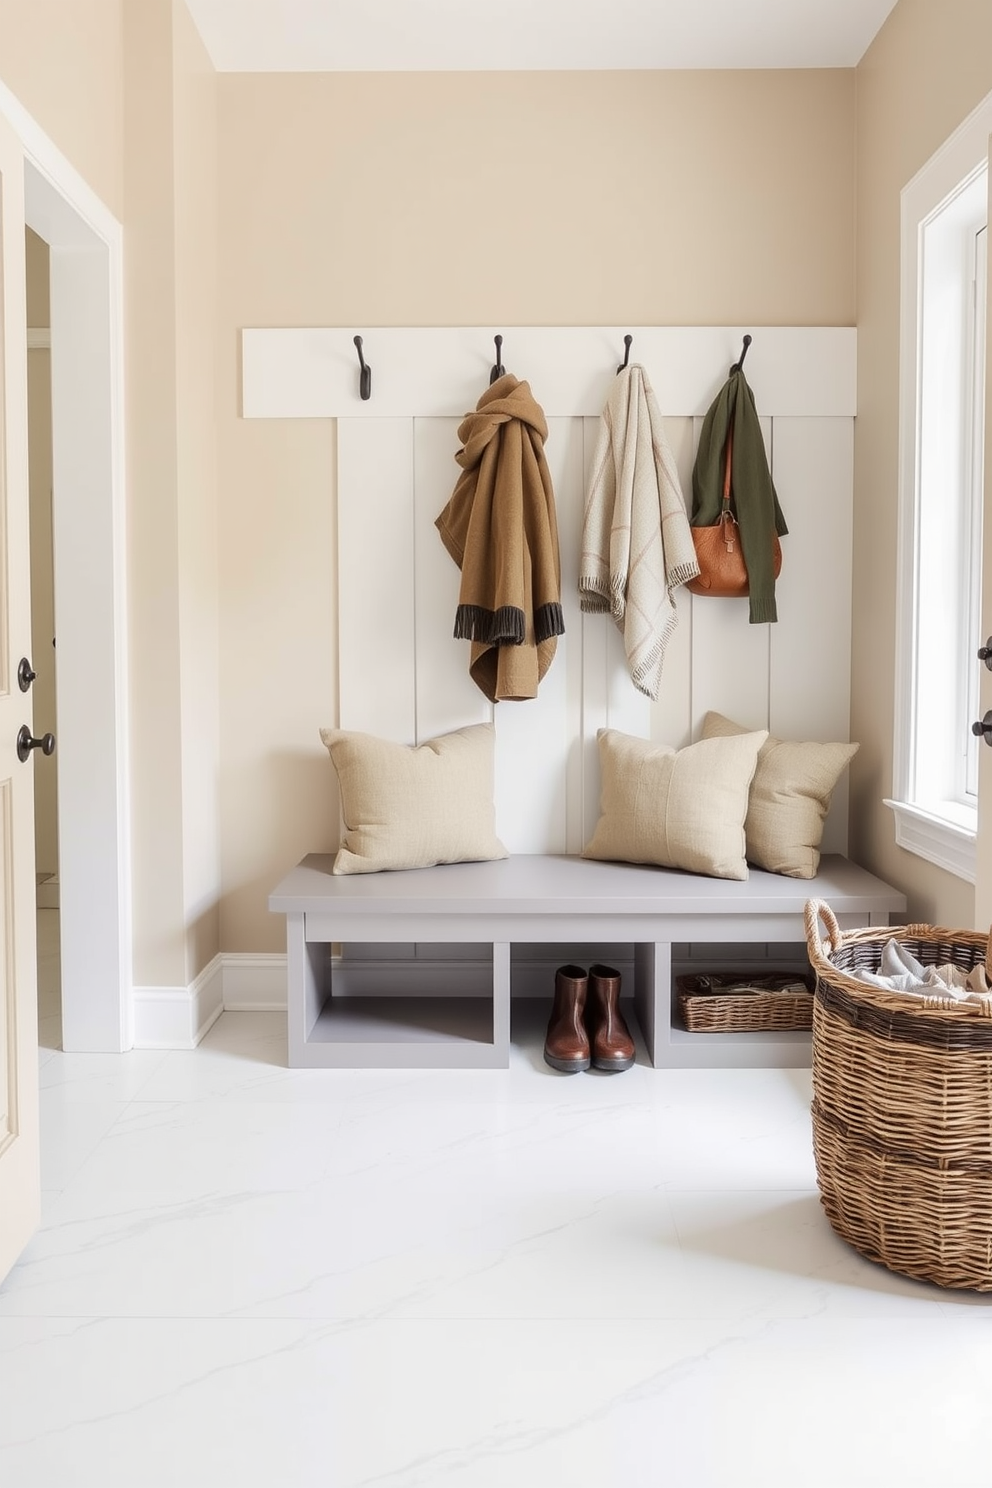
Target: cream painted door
[[20, 1185]]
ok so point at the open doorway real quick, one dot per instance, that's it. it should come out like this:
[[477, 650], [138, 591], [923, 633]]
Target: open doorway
[[43, 692], [89, 603]]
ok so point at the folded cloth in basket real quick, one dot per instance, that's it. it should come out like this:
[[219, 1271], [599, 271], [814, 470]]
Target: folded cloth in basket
[[899, 971]]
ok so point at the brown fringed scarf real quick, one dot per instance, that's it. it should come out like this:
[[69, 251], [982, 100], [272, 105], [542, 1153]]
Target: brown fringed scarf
[[501, 529]]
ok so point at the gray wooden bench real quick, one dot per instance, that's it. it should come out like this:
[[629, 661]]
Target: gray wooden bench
[[451, 1009]]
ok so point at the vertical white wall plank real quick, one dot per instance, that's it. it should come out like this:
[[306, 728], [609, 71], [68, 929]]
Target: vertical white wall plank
[[671, 715], [595, 641], [376, 577], [533, 737], [626, 709], [730, 656], [809, 697], [835, 828], [447, 698], [566, 459]]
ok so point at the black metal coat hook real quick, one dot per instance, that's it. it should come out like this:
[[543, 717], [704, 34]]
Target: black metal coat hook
[[365, 376], [740, 361], [499, 370], [626, 353]]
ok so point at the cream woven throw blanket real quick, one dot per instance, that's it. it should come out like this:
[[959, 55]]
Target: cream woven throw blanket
[[636, 541]]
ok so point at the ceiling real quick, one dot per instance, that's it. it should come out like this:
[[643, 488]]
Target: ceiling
[[529, 35]]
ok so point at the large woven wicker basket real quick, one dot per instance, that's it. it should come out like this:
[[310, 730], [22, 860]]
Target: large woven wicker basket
[[902, 1104]]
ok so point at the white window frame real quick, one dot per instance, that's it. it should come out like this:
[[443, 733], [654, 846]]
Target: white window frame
[[935, 816], [977, 331]]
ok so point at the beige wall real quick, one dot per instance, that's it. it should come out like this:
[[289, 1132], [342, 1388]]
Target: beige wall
[[927, 69], [63, 61], [125, 89], [678, 198], [195, 152], [38, 280], [153, 555], [547, 199]]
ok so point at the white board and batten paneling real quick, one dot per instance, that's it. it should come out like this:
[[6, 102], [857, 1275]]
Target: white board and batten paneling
[[403, 676]]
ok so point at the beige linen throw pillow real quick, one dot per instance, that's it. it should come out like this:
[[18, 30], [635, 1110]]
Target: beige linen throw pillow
[[680, 808], [410, 806], [789, 798]]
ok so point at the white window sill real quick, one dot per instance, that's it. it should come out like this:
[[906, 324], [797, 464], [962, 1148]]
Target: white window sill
[[944, 835]]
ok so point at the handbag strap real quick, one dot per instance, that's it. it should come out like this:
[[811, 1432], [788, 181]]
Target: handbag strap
[[727, 521], [728, 454]]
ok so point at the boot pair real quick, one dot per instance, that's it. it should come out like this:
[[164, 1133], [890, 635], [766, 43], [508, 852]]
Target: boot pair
[[586, 1025]]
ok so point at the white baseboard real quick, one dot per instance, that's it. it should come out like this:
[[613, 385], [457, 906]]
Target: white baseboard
[[178, 1017], [254, 984]]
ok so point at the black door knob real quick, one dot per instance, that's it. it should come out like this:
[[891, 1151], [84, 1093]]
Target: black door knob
[[985, 653], [25, 674], [25, 743], [984, 728]]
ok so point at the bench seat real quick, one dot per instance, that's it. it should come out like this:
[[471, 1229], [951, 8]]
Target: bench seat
[[482, 913]]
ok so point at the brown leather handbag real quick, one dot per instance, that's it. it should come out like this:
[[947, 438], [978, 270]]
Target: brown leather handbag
[[722, 573]]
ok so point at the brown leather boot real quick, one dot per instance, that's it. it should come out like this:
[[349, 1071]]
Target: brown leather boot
[[566, 1047], [609, 1036]]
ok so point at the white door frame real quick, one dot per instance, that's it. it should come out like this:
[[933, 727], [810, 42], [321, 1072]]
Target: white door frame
[[90, 596]]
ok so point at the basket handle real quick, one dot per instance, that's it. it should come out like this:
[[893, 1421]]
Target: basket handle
[[816, 910]]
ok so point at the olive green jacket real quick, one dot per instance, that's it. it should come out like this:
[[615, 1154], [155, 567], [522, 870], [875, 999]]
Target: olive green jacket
[[752, 500]]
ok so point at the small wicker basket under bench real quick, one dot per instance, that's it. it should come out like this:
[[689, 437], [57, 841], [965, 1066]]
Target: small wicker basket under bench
[[902, 1105], [715, 1003]]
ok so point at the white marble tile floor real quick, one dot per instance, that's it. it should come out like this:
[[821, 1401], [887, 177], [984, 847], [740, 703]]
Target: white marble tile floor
[[254, 1277]]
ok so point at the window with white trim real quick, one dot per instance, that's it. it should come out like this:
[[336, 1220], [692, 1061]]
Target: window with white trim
[[976, 481], [941, 436]]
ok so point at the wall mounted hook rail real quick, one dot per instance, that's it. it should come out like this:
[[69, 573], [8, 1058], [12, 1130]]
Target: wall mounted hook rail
[[626, 353], [365, 376], [498, 370], [740, 360]]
